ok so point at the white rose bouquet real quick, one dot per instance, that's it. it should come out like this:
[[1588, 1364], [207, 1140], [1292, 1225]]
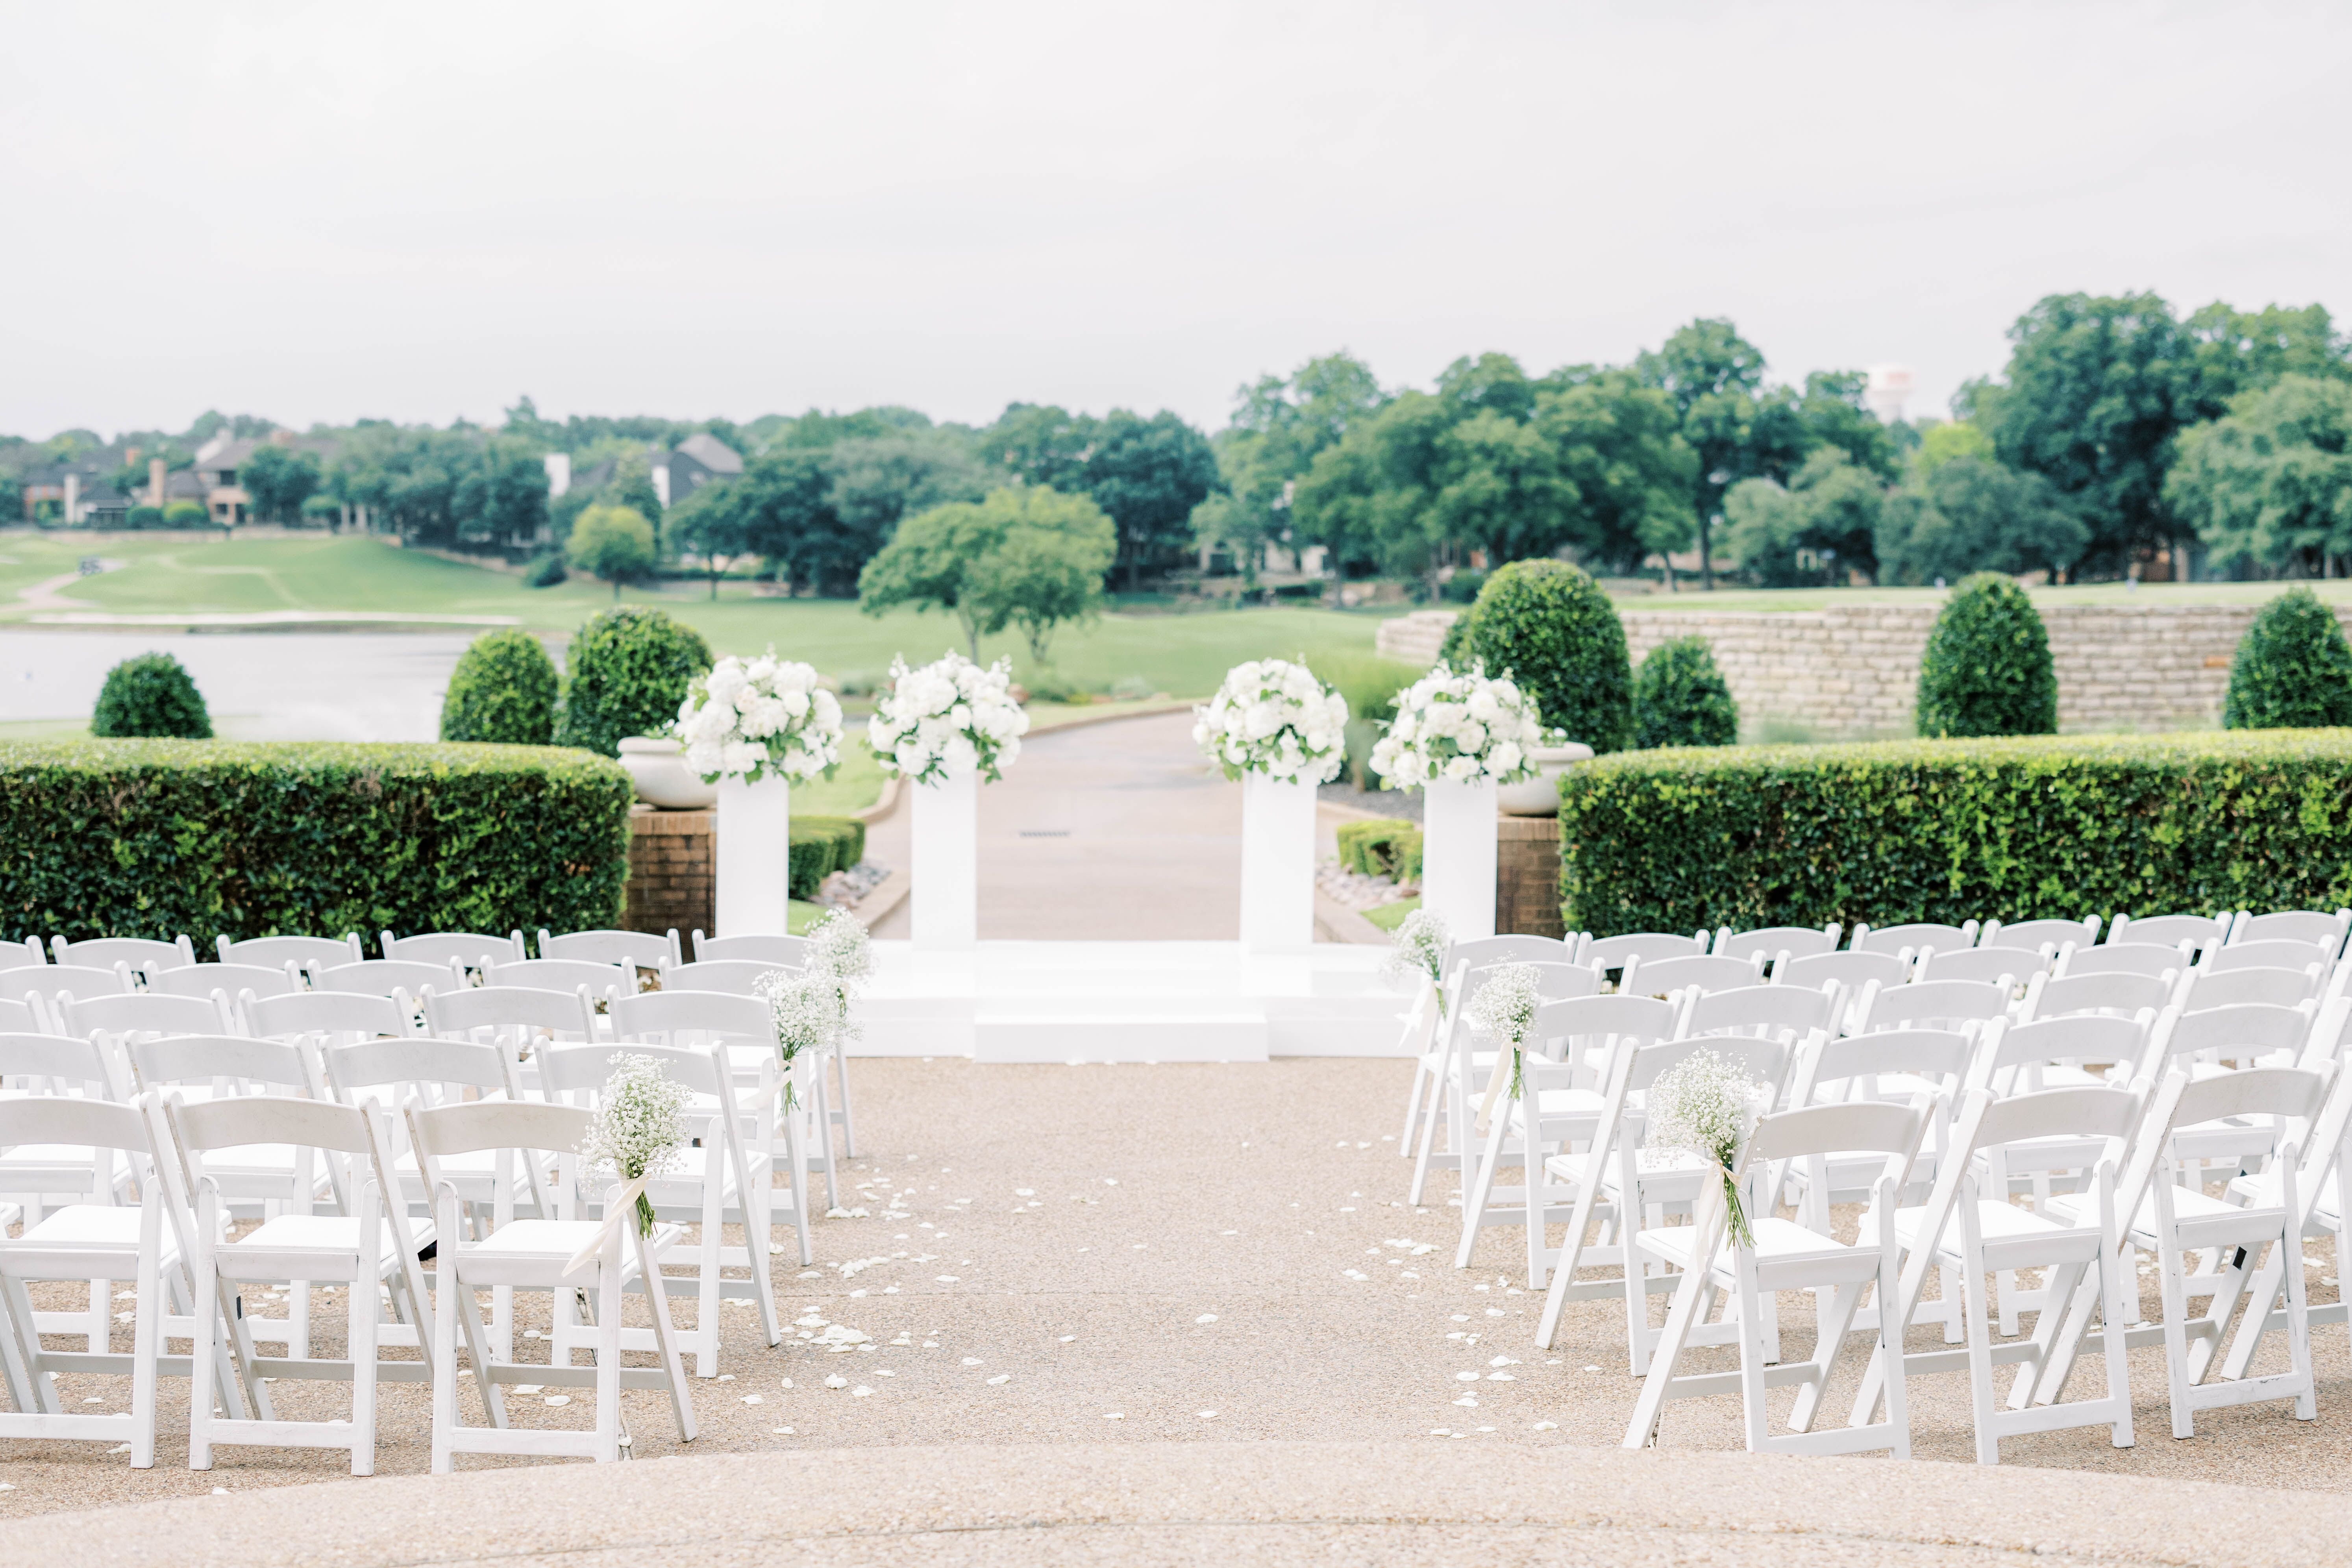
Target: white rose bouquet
[[749, 718], [639, 1128], [1458, 726], [1706, 1105], [1275, 718], [949, 715]]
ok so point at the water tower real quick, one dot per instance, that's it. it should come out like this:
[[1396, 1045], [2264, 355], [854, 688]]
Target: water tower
[[1890, 388]]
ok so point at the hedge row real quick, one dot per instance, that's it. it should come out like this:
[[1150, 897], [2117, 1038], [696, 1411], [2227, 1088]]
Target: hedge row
[[1384, 846], [822, 846], [1946, 830], [209, 837]]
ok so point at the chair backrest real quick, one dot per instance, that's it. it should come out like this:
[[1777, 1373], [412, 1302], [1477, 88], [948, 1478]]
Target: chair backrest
[[2281, 952], [583, 1069], [1583, 1017], [2082, 1037], [1648, 946], [2201, 988], [466, 949], [1766, 1061], [1922, 1053], [561, 974], [1932, 1002], [2168, 931], [2299, 925], [246, 1119], [60, 1060], [231, 980], [388, 977], [1914, 936], [2147, 958], [2254, 1091], [23, 1015], [2033, 935], [2241, 1032], [1758, 1009], [2055, 997], [461, 1012], [2073, 1112], [1863, 1127], [50, 1119], [360, 1014], [304, 951], [758, 947], [48, 979], [1992, 965], [1554, 982], [734, 976], [1769, 942], [691, 1011], [193, 1059], [628, 949], [143, 1013], [138, 951], [443, 1131], [1700, 971], [443, 1064], [1850, 969]]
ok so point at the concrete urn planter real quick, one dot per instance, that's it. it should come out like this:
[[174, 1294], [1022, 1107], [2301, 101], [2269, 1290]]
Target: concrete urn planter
[[657, 767], [1539, 797]]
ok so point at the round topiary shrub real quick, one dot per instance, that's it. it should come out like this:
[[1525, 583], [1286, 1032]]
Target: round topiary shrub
[[629, 671], [2293, 671], [1680, 697], [151, 695], [1553, 630], [1987, 670], [503, 690]]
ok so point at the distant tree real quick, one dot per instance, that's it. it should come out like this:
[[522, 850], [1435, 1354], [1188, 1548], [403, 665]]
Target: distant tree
[[713, 524], [613, 543], [1825, 521], [2238, 352], [1049, 568], [632, 485], [1149, 475], [280, 480], [873, 482], [1712, 374], [2271, 484], [1940, 444], [948, 559], [1972, 514], [1619, 448]]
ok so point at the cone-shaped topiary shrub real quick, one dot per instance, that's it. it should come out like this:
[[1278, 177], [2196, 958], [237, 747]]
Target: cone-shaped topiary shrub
[[151, 695], [1987, 670], [1680, 697], [2294, 669], [503, 690], [1552, 629], [629, 671]]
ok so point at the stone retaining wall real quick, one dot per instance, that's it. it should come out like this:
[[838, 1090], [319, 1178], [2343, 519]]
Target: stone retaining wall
[[671, 882], [1852, 672]]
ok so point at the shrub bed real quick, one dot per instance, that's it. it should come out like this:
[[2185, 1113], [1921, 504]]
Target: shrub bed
[[1946, 830], [1385, 847], [157, 838], [822, 846]]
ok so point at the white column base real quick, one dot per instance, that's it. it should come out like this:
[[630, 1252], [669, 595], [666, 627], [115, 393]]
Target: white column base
[[753, 855], [945, 833], [1457, 856], [1277, 862]]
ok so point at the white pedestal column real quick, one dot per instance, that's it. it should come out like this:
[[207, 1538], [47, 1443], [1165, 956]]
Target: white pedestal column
[[753, 855], [946, 852], [1457, 856], [1277, 862]]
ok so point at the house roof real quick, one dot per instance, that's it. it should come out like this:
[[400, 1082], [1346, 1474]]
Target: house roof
[[712, 453]]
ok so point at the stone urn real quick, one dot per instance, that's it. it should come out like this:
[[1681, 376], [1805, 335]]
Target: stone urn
[[1539, 797], [657, 767]]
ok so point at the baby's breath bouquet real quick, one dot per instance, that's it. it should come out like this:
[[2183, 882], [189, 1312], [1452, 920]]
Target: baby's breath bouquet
[[1419, 948], [838, 949], [1707, 1104], [639, 1128], [809, 1018], [1505, 1009]]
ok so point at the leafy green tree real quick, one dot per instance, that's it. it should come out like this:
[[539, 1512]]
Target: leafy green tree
[[1680, 697], [2292, 668], [150, 694], [278, 479], [1987, 668], [2271, 484], [1049, 568], [1620, 449], [874, 483], [1279, 426], [1940, 444], [1824, 521], [942, 559], [1149, 475], [632, 487], [1972, 514], [786, 495], [629, 668], [504, 689], [1712, 374], [2238, 352], [615, 542], [1552, 628], [714, 523]]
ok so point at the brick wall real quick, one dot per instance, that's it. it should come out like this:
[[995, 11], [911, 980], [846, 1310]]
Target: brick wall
[[1852, 671], [670, 882], [1526, 876]]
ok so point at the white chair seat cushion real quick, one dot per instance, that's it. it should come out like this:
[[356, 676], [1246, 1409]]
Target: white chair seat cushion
[[86, 1225], [2188, 1204], [1777, 1240], [321, 1233], [1995, 1222]]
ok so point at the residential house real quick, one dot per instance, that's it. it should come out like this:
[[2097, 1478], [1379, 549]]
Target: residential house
[[696, 461]]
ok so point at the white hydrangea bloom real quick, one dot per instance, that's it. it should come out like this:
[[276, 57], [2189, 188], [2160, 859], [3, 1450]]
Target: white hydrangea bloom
[[752, 718], [1462, 727], [948, 715], [1277, 717]]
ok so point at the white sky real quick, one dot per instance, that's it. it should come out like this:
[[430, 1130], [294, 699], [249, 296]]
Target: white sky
[[418, 211]]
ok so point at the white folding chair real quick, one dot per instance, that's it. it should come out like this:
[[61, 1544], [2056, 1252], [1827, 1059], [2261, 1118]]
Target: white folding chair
[[2277, 953], [2169, 931], [1451, 1065], [2008, 967], [2118, 992], [2146, 958], [1614, 952], [752, 947], [41, 1176], [1967, 1235], [751, 958], [141, 1014], [465, 948], [1932, 1004], [1769, 944], [2035, 935], [695, 1190], [600, 980], [628, 949], [1422, 1026], [303, 952], [1786, 1256], [2326, 1147], [516, 1018], [325, 1018], [734, 976], [2202, 989], [145, 954], [45, 983], [371, 1246], [1699, 972], [395, 978], [225, 982], [1897, 939], [2299, 925], [562, 1254], [1851, 973]]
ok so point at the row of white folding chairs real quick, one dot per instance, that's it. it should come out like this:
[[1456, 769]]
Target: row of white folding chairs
[[641, 950]]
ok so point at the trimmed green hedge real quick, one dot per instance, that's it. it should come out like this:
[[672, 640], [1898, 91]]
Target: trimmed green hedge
[[1382, 846], [210, 837], [1946, 830], [822, 846]]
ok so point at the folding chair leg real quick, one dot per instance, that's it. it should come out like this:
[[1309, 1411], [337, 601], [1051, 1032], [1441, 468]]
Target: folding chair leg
[[362, 1351], [608, 1355], [1473, 1199], [2111, 1298], [2176, 1338], [1412, 1109], [1651, 1403], [1981, 1402], [2298, 1325], [146, 1336], [1429, 1114], [681, 1402], [1835, 1322], [848, 1119]]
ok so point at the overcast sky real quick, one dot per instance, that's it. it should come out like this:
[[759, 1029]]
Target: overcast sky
[[420, 211]]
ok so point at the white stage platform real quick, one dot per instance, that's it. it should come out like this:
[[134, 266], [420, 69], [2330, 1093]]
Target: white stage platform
[[1129, 1001]]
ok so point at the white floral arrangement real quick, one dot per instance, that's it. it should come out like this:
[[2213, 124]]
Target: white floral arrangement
[[1504, 1009], [1707, 1105], [945, 716], [839, 949], [1274, 718], [1418, 947], [750, 717], [1461, 727], [807, 1011], [640, 1126]]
